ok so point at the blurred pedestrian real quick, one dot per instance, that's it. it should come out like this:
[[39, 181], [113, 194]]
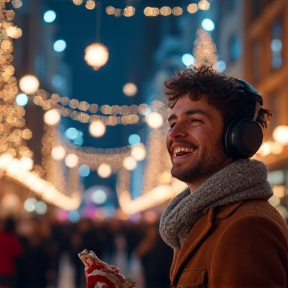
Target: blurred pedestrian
[[155, 256], [34, 267], [10, 250]]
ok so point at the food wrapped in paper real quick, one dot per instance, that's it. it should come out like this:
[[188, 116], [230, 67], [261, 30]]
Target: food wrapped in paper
[[101, 275]]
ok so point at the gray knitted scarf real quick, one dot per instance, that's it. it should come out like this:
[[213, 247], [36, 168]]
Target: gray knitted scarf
[[241, 180]]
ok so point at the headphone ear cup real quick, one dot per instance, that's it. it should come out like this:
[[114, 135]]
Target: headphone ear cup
[[243, 138]]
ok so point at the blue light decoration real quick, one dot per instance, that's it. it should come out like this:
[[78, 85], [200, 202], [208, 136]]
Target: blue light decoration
[[21, 99], [134, 139], [49, 16], [84, 171], [59, 45], [208, 24], [188, 59]]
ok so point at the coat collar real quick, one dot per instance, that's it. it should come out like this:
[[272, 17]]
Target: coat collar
[[199, 231]]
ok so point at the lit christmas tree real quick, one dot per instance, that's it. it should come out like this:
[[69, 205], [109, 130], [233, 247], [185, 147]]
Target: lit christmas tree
[[204, 49]]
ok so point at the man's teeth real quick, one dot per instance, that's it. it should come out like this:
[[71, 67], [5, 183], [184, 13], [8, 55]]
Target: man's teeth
[[182, 149]]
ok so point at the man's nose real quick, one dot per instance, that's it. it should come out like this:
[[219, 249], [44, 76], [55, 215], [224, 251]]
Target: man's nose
[[177, 131]]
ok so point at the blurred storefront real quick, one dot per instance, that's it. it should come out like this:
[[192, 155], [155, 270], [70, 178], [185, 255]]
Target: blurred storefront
[[266, 67]]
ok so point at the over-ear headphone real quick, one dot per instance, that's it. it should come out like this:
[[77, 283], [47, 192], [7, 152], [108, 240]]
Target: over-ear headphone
[[244, 135]]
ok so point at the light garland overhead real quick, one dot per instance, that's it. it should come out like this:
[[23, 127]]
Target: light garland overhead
[[129, 11], [84, 112]]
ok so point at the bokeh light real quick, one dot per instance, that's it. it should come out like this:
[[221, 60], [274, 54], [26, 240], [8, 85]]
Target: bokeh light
[[16, 3], [130, 89], [192, 8], [96, 55], [220, 66], [73, 216], [104, 170], [280, 134], [90, 4], [208, 25], [138, 152], [71, 133], [30, 204], [129, 163], [29, 84], [49, 16], [71, 160], [22, 99], [99, 197], [41, 207], [58, 153], [84, 171], [52, 117], [59, 45], [154, 120], [97, 128], [134, 139], [188, 59], [203, 5]]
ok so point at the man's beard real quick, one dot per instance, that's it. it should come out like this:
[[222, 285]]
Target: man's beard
[[203, 167]]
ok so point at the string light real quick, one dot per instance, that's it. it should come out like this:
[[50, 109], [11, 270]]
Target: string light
[[154, 120], [29, 84], [138, 151], [104, 170], [204, 5], [71, 160], [129, 163], [52, 117], [58, 153], [97, 128], [130, 89], [96, 55], [90, 4], [192, 8]]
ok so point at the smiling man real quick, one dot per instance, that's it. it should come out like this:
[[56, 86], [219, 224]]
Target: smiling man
[[223, 230]]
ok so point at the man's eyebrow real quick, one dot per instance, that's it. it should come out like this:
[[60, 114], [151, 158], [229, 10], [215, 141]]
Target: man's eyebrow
[[189, 112]]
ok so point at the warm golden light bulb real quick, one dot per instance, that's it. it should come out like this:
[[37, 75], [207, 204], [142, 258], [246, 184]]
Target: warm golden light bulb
[[104, 170], [154, 120], [77, 2], [97, 128], [90, 4], [204, 5], [96, 55], [192, 8], [71, 160], [58, 153], [165, 11], [138, 152], [14, 32], [129, 11], [130, 89], [129, 163], [280, 134], [52, 117], [29, 84], [177, 11], [110, 10]]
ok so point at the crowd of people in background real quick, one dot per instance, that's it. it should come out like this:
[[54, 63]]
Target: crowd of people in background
[[31, 250]]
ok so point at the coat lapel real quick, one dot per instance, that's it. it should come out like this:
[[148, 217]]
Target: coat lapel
[[191, 242]]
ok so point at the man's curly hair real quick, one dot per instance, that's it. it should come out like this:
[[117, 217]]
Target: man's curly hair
[[222, 92]]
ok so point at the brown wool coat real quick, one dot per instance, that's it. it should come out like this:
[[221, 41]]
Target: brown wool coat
[[241, 245]]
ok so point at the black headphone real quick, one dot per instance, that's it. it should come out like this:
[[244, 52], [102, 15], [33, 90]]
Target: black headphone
[[244, 135]]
